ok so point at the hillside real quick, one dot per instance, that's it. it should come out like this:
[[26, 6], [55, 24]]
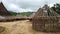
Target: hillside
[[23, 13]]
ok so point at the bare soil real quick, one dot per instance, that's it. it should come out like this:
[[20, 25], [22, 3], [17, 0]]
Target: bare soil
[[20, 27]]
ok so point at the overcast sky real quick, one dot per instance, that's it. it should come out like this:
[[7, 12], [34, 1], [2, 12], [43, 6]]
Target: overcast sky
[[26, 5]]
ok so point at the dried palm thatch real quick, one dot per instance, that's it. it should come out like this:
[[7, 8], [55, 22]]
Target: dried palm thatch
[[46, 20], [3, 10]]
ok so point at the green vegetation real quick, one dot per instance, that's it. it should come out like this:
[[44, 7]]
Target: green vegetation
[[56, 8], [23, 13], [13, 13], [26, 13]]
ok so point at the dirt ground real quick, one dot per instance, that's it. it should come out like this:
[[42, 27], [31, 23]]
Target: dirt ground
[[19, 27]]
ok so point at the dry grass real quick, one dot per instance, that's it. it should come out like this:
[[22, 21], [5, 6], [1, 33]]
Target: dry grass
[[19, 27]]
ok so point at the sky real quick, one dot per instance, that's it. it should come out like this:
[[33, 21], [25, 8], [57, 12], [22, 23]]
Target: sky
[[26, 5]]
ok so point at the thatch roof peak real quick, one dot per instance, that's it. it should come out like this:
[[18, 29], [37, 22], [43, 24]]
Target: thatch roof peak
[[3, 10], [45, 11]]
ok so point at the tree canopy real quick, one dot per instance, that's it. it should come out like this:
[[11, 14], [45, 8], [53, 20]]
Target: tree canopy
[[56, 8]]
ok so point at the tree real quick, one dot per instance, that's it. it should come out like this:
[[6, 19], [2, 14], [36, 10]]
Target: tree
[[56, 8]]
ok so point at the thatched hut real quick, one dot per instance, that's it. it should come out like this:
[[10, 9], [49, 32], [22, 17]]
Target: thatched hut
[[3, 10], [46, 19]]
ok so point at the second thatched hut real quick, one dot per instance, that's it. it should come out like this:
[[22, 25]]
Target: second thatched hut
[[46, 20]]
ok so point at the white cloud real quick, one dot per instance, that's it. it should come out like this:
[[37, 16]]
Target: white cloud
[[27, 5], [16, 8]]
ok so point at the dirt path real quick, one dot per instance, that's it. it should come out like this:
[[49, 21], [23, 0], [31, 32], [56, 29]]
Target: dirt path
[[22, 28], [19, 27]]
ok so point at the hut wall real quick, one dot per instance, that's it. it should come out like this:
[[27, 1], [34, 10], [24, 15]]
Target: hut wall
[[50, 24]]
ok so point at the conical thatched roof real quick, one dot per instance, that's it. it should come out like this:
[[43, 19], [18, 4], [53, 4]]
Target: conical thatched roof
[[45, 11], [3, 10], [46, 20]]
